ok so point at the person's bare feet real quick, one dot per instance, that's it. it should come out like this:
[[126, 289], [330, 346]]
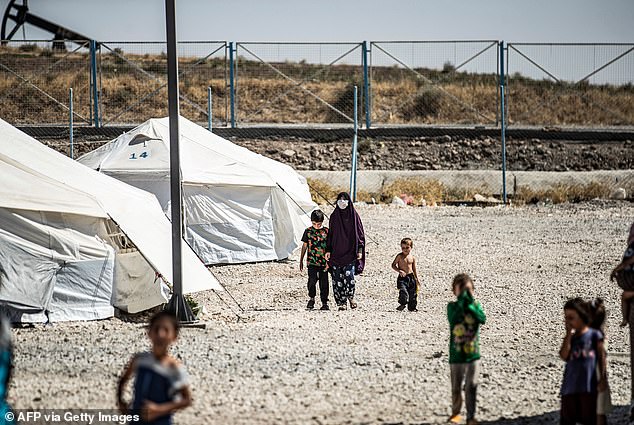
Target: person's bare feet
[[353, 305]]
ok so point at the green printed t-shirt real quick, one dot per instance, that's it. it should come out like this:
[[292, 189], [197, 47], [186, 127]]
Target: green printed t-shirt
[[316, 240], [465, 317]]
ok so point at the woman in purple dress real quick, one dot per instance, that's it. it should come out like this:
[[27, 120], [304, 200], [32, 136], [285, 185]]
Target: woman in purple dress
[[345, 250]]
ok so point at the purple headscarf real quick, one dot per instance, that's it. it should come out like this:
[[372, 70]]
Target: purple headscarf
[[346, 236]]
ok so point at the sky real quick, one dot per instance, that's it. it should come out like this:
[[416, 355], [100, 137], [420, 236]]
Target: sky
[[344, 20]]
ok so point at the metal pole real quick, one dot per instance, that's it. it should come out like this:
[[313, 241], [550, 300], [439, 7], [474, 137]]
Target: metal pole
[[232, 86], [497, 93], [353, 171], [93, 79], [366, 86], [177, 304], [70, 121], [503, 122], [209, 116], [175, 184]]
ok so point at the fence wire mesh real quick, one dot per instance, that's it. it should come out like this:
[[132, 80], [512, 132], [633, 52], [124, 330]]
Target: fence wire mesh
[[434, 83], [561, 87], [133, 81], [433, 108], [35, 80], [570, 85], [297, 83]]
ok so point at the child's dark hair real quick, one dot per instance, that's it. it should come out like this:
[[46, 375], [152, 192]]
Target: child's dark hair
[[408, 242], [596, 308], [581, 307], [460, 280], [317, 216], [164, 315]]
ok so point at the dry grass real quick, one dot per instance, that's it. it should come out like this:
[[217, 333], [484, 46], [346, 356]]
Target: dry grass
[[398, 97], [467, 194], [416, 189], [323, 192], [369, 197], [561, 193], [433, 191]]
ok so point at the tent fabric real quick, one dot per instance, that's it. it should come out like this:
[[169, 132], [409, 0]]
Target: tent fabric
[[56, 216], [239, 206], [53, 272], [43, 194], [136, 288]]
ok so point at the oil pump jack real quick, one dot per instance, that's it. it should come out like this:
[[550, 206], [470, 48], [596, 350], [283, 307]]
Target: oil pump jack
[[18, 15]]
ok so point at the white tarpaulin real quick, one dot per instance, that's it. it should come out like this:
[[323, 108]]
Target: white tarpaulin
[[239, 206], [58, 221]]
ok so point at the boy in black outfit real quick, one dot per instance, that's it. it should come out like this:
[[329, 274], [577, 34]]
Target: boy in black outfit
[[314, 239]]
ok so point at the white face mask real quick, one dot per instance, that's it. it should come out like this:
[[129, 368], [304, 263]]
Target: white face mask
[[342, 203]]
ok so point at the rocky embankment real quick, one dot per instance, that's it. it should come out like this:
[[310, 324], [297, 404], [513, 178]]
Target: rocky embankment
[[448, 153]]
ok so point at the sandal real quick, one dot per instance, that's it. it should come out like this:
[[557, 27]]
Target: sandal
[[353, 305]]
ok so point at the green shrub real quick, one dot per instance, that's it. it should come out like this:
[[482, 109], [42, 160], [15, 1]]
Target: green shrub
[[344, 102], [426, 103]]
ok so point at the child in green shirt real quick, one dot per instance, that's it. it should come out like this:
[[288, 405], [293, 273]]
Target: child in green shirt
[[465, 317], [314, 239]]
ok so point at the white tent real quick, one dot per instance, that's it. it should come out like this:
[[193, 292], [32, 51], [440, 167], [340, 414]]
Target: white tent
[[239, 206], [74, 242]]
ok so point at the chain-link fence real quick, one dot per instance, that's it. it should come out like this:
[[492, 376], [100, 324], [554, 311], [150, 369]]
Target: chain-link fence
[[296, 83], [558, 88], [434, 83], [570, 85], [133, 81], [432, 108], [130, 80], [35, 80]]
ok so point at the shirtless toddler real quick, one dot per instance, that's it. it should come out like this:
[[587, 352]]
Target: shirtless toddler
[[407, 281]]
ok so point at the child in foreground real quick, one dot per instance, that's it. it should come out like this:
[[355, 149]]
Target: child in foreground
[[314, 239], [465, 317], [161, 386], [407, 281], [583, 351]]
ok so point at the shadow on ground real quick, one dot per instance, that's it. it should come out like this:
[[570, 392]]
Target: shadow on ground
[[619, 416]]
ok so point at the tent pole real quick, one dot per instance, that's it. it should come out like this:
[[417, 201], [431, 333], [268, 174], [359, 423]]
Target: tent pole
[[177, 304], [209, 110], [70, 121]]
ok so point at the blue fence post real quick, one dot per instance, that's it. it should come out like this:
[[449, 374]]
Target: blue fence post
[[209, 110], [70, 120], [353, 171], [93, 80], [503, 121], [366, 85], [232, 86]]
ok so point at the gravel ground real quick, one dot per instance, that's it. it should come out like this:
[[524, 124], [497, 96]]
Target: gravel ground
[[447, 153], [283, 364], [426, 153]]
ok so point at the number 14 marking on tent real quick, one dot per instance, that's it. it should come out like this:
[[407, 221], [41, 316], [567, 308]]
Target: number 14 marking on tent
[[143, 155]]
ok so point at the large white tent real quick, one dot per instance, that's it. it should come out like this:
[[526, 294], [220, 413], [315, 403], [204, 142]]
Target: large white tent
[[74, 242], [239, 206]]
